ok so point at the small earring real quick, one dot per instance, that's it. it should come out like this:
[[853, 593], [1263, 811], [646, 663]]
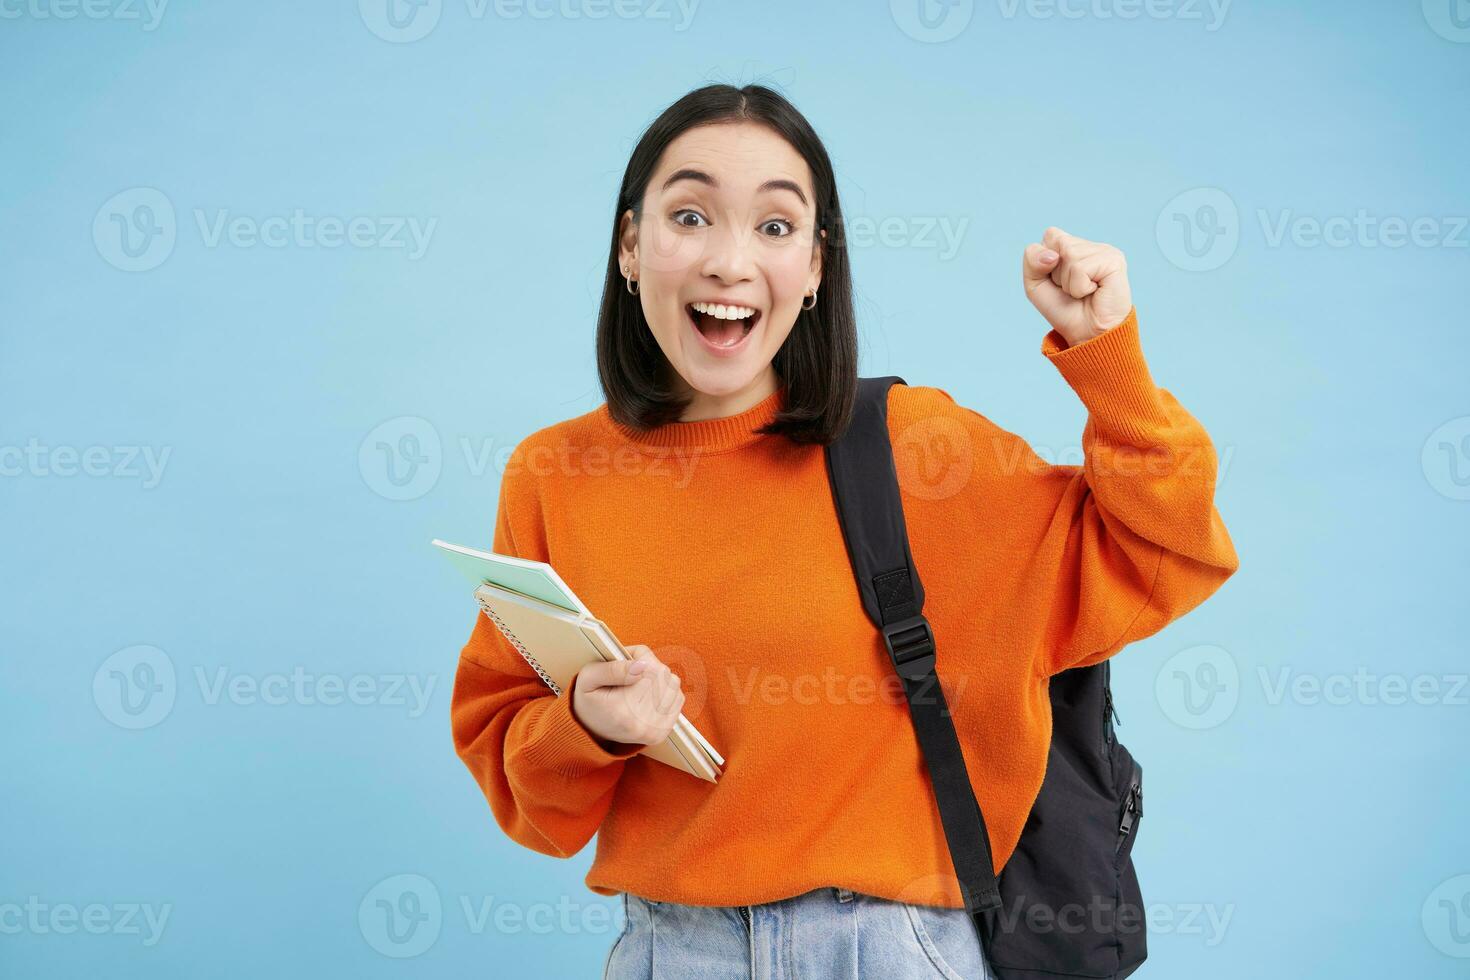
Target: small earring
[[814, 301], [631, 287]]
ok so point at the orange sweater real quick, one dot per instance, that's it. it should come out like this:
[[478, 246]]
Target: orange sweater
[[721, 551]]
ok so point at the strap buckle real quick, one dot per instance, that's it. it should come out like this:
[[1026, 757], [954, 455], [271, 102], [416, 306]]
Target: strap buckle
[[911, 647], [983, 901]]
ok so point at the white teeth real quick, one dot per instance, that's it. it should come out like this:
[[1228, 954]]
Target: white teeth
[[722, 312]]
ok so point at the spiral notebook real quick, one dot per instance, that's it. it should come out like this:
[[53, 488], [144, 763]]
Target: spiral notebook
[[557, 636]]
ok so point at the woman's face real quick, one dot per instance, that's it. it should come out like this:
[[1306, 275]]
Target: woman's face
[[727, 219]]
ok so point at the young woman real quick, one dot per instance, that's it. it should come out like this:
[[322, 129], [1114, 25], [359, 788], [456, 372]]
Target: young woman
[[691, 511]]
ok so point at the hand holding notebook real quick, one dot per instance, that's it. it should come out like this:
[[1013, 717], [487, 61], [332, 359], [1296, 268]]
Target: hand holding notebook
[[557, 635], [632, 702]]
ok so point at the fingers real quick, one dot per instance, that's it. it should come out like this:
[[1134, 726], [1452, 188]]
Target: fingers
[[654, 703], [621, 673], [611, 673], [1036, 268], [1076, 269], [1036, 264], [671, 698], [654, 667], [1067, 272], [645, 663], [653, 695], [1073, 279]]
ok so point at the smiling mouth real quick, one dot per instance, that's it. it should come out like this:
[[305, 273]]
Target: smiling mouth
[[720, 332]]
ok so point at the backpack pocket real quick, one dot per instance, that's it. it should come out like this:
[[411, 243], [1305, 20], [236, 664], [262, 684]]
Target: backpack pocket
[[1071, 907], [1130, 925]]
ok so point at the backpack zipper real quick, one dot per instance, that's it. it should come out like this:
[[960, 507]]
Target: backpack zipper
[[1110, 711], [1132, 810]]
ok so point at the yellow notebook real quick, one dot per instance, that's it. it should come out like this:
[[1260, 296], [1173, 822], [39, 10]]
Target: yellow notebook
[[558, 638]]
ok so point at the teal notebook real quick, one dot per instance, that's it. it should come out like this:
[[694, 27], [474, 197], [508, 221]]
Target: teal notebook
[[531, 578], [538, 580]]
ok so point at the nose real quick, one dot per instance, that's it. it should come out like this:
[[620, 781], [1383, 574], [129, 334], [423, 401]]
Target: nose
[[727, 255]]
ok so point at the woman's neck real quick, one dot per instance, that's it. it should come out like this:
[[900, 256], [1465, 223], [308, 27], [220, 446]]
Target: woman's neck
[[705, 406]]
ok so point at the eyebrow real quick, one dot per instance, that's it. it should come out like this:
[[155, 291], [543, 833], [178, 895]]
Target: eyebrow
[[704, 178]]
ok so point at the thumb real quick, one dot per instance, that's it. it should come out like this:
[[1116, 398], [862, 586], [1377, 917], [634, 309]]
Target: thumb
[[1036, 272], [1037, 263], [612, 673]]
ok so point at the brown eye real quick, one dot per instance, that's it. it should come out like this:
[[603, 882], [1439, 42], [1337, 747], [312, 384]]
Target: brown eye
[[782, 223], [685, 224]]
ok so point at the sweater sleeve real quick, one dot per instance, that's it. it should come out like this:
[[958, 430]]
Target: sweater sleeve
[[1089, 557], [1133, 533], [549, 781]]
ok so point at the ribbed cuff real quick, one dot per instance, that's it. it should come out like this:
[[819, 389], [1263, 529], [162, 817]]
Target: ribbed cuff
[[559, 742], [1111, 377]]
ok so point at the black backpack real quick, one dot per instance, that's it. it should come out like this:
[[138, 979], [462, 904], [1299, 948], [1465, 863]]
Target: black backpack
[[1067, 903]]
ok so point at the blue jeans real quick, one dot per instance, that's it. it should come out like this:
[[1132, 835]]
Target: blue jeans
[[825, 934]]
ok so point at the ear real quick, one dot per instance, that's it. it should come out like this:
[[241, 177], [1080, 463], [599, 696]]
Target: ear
[[627, 241], [817, 251]]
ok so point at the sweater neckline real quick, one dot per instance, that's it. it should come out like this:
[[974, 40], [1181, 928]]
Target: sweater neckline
[[709, 435]]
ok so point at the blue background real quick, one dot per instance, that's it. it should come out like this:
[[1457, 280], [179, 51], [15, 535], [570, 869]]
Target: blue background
[[1331, 378]]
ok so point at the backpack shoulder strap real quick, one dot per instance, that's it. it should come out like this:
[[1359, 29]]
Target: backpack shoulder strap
[[865, 489]]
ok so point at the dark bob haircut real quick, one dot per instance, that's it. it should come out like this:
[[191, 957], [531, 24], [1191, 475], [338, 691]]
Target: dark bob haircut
[[818, 361]]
